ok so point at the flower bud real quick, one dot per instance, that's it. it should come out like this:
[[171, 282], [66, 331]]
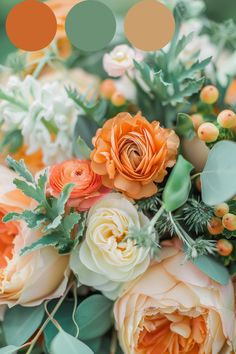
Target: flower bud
[[221, 209], [209, 94], [208, 132], [224, 247], [197, 120], [227, 119], [215, 226], [107, 88], [118, 99], [229, 221]]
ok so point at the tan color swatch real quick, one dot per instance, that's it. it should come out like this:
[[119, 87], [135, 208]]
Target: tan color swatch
[[31, 25], [149, 25]]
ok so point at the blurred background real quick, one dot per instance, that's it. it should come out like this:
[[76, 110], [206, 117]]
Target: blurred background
[[218, 10]]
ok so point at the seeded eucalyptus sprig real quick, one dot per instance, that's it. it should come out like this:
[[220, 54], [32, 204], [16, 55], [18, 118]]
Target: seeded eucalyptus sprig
[[60, 228]]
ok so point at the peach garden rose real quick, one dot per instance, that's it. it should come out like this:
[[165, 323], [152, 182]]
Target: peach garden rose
[[132, 155], [173, 308], [20, 276]]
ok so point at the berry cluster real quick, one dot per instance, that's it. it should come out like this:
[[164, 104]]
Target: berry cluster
[[223, 220], [109, 91]]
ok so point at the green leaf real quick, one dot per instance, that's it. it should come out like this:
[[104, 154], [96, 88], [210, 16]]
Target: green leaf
[[69, 221], [81, 149], [93, 316], [178, 186], [54, 224], [64, 196], [42, 181], [13, 140], [184, 127], [182, 43], [63, 317], [28, 190], [20, 323], [21, 169], [65, 343], [52, 239], [10, 349], [32, 219], [198, 66], [219, 175], [213, 269]]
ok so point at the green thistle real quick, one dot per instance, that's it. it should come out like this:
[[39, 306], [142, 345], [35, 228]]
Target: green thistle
[[197, 215]]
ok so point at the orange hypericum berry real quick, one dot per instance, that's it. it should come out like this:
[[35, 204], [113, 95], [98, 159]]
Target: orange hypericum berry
[[215, 226], [227, 119], [221, 209], [229, 221], [208, 132], [224, 247], [197, 120], [118, 99], [209, 94], [107, 88]]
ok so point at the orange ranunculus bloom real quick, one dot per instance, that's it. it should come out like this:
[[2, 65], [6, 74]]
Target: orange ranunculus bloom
[[88, 185], [132, 155]]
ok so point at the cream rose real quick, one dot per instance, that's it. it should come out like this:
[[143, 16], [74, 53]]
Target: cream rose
[[174, 308], [26, 280], [106, 260]]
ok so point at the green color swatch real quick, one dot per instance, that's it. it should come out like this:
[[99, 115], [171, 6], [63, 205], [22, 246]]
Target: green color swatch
[[90, 25]]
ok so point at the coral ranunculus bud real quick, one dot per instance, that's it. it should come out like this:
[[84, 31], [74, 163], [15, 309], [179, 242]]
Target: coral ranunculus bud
[[209, 94], [208, 132], [107, 88], [224, 247], [229, 221], [197, 120], [118, 99], [215, 226], [227, 119], [221, 209]]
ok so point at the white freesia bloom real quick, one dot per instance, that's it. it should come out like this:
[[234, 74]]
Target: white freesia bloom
[[106, 260], [45, 115]]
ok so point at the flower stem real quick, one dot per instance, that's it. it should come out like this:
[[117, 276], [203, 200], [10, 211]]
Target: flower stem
[[44, 325]]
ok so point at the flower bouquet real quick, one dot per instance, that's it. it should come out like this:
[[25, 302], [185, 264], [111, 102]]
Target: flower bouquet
[[118, 194]]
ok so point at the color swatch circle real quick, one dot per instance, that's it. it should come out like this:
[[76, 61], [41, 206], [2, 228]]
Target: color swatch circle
[[149, 25], [90, 25], [31, 25]]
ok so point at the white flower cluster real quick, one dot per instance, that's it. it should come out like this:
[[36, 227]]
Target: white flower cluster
[[45, 115]]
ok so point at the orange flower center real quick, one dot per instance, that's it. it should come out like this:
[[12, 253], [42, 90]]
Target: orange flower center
[[171, 334], [8, 231]]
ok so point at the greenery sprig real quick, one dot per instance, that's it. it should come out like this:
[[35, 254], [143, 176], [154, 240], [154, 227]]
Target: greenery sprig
[[61, 228]]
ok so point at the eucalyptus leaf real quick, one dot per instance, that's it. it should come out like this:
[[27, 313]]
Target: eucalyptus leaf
[[65, 343], [93, 316], [218, 179], [81, 149], [20, 323], [178, 186], [9, 349], [213, 269]]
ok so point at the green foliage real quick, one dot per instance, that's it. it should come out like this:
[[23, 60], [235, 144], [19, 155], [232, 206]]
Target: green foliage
[[222, 34], [151, 204], [63, 317], [197, 215], [211, 267], [20, 323], [178, 186], [65, 343], [184, 126], [219, 175], [49, 215], [10, 349], [12, 141], [94, 317], [81, 149]]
